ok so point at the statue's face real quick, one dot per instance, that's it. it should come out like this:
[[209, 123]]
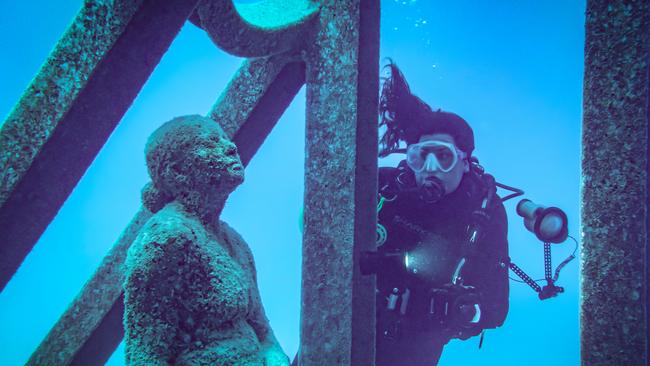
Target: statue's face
[[191, 159], [215, 163]]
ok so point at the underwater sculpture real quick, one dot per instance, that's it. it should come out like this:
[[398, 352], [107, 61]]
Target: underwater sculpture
[[191, 295]]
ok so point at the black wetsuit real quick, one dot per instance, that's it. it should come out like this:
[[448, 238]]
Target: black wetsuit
[[434, 234]]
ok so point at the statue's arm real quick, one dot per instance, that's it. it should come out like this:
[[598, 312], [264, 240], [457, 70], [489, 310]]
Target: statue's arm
[[151, 291], [271, 350]]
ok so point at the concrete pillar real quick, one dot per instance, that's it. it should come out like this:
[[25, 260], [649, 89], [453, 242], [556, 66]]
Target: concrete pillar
[[614, 318], [337, 312]]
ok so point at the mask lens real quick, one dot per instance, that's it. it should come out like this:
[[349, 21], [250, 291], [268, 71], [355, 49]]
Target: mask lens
[[415, 157], [444, 154]]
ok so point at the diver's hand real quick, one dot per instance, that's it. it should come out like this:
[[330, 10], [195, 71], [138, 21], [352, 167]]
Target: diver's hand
[[274, 356]]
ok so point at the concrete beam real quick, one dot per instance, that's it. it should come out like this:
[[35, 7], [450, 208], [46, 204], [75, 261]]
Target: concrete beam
[[262, 90], [86, 320], [615, 181], [70, 109]]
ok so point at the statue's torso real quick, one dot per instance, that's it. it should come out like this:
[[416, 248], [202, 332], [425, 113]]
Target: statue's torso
[[206, 277]]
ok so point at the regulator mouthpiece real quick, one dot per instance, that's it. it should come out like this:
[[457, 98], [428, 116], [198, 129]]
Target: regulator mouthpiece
[[433, 190], [549, 224]]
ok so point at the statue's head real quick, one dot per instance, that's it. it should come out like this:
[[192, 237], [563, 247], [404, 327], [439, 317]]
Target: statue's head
[[191, 160]]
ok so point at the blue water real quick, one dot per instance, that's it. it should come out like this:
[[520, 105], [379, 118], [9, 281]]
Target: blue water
[[512, 69]]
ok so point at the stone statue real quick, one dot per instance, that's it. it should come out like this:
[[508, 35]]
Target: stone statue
[[190, 293]]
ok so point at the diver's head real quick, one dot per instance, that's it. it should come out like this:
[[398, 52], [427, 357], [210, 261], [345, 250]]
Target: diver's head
[[190, 159], [435, 159], [409, 119]]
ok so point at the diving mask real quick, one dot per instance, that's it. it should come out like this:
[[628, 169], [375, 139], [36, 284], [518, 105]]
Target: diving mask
[[433, 155]]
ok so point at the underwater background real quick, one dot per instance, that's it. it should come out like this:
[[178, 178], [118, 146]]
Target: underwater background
[[512, 69]]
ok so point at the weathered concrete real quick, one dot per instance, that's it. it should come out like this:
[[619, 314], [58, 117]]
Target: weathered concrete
[[614, 318], [263, 89], [70, 109], [337, 312], [94, 31], [259, 29], [101, 344]]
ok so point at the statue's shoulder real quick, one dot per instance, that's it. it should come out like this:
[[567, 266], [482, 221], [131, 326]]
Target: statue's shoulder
[[170, 225]]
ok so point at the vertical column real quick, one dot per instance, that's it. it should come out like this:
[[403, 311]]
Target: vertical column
[[614, 322], [337, 312]]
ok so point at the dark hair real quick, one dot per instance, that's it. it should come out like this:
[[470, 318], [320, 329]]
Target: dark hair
[[407, 117], [153, 198]]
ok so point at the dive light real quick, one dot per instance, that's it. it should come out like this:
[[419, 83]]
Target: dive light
[[549, 224]]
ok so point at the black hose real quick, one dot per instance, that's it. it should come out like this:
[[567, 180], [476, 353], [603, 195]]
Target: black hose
[[517, 192]]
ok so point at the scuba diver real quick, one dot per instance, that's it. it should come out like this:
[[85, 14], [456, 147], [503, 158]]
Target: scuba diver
[[442, 257]]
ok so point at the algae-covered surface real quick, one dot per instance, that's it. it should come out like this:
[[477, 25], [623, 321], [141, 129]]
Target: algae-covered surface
[[190, 290]]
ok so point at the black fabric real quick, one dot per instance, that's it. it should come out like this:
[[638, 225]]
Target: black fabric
[[441, 122], [440, 229]]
